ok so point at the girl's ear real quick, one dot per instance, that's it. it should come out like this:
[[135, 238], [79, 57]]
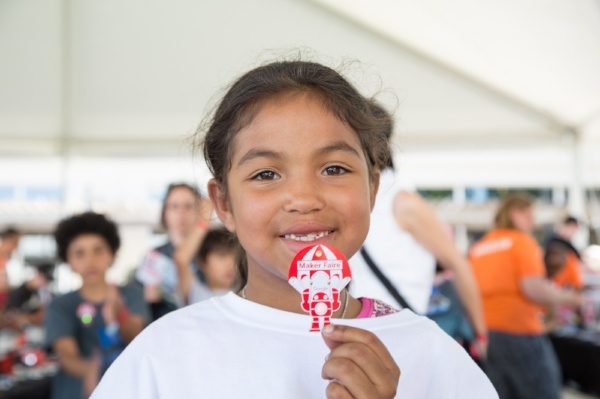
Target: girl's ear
[[374, 186], [221, 204]]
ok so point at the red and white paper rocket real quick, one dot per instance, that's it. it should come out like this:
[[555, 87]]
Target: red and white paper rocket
[[319, 274]]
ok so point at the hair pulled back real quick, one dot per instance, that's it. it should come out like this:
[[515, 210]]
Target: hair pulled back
[[244, 98], [242, 102]]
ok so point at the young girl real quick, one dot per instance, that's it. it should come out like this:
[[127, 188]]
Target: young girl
[[295, 153]]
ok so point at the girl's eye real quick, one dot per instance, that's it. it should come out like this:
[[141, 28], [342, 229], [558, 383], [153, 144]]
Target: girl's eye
[[265, 175], [334, 170]]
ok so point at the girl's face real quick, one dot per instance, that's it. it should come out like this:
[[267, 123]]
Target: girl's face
[[90, 256], [298, 177]]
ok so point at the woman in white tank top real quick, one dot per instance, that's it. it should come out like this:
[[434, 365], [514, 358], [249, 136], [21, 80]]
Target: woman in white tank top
[[405, 262], [404, 240]]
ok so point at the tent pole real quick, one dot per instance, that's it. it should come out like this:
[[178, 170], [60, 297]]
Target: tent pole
[[576, 203]]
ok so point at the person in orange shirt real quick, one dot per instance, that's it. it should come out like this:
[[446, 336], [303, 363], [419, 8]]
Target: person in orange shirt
[[509, 268], [569, 274], [563, 269]]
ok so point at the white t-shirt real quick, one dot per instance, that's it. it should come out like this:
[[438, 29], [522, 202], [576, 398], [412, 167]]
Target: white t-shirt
[[408, 265], [229, 347]]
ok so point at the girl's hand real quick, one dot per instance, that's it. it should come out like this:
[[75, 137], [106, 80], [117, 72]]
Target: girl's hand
[[359, 365]]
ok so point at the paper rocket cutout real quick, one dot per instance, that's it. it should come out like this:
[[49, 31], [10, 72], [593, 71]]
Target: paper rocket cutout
[[319, 274]]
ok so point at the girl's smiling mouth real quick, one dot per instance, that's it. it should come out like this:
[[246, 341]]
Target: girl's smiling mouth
[[307, 237]]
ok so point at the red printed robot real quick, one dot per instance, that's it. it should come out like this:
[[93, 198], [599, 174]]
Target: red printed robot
[[319, 274]]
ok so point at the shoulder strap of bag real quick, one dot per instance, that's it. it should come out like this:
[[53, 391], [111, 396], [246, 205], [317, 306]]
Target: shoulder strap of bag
[[384, 280]]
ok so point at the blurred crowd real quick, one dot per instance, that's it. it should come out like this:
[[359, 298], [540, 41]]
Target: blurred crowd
[[59, 345], [500, 301]]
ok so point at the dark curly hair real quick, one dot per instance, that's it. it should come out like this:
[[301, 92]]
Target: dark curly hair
[[86, 223]]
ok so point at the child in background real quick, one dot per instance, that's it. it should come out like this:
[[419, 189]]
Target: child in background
[[569, 274], [555, 316], [215, 258], [295, 151], [88, 328]]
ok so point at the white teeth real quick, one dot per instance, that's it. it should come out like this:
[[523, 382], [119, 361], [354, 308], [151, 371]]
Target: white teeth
[[306, 237]]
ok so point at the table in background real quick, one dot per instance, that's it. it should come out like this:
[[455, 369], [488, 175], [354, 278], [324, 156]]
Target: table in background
[[28, 389], [578, 352]]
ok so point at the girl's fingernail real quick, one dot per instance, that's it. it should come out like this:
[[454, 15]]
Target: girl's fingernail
[[328, 329]]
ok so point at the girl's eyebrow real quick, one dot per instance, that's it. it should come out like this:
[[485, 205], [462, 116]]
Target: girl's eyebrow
[[266, 153], [259, 153], [337, 146]]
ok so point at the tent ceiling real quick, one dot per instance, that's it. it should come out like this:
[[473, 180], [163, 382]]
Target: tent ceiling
[[135, 78], [543, 55]]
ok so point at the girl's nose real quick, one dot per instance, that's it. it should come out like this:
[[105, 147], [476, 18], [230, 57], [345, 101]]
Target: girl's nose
[[303, 195]]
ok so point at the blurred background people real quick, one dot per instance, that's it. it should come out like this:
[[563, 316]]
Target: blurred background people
[[405, 240], [88, 328], [569, 273], [565, 268], [9, 241], [509, 267], [214, 250], [447, 310], [561, 315], [181, 209], [30, 300]]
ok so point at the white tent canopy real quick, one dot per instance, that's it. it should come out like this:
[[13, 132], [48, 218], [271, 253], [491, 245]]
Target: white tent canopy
[[489, 93], [98, 97]]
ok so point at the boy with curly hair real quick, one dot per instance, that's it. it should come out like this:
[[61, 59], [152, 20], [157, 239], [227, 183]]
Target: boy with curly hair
[[89, 327]]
